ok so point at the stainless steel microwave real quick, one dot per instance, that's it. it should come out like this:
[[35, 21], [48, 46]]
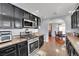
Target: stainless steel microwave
[[29, 23], [5, 36]]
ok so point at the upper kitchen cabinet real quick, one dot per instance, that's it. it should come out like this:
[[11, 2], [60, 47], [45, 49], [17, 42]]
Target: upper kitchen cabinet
[[0, 8], [32, 17], [17, 23], [38, 21], [74, 20], [6, 15], [78, 17], [6, 22], [19, 13], [26, 15], [7, 9], [18, 17]]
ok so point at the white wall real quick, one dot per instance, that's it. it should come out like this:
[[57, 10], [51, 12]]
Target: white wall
[[44, 28]]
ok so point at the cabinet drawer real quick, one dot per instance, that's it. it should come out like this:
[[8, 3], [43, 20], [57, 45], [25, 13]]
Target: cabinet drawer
[[13, 53], [22, 44], [7, 50]]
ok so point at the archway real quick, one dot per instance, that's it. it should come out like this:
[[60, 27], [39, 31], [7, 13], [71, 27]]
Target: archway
[[54, 26]]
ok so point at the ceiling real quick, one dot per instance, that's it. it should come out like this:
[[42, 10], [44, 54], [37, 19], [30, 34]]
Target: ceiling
[[47, 10]]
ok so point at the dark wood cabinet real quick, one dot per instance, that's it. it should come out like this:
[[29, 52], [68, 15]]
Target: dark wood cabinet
[[18, 23], [70, 49], [6, 22], [7, 9], [26, 15], [6, 15], [18, 17], [23, 49], [31, 17], [78, 19], [74, 20], [12, 17], [8, 51], [41, 41], [19, 49], [38, 21], [19, 13], [0, 7]]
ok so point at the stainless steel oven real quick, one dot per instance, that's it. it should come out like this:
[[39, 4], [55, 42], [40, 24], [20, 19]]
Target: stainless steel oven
[[33, 46], [5, 36]]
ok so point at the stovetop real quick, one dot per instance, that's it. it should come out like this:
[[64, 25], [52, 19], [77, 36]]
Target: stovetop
[[30, 36]]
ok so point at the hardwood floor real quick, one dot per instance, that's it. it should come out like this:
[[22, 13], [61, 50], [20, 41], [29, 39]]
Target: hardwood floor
[[54, 47]]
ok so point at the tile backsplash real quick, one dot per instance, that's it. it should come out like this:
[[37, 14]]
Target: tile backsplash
[[17, 31]]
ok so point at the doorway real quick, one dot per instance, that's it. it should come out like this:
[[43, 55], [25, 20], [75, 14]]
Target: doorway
[[54, 27]]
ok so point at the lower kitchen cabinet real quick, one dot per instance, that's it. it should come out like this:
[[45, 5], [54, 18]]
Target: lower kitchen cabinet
[[8, 51], [70, 49], [41, 41], [22, 49]]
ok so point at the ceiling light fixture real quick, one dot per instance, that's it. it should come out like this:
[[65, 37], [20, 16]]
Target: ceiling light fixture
[[37, 11], [72, 11]]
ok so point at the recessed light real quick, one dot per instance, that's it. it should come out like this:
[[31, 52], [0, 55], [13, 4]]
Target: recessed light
[[37, 11]]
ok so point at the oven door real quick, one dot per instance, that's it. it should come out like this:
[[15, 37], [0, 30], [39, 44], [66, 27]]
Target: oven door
[[33, 47]]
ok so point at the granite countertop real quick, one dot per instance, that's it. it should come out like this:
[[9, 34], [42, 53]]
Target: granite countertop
[[74, 41], [12, 42], [17, 40]]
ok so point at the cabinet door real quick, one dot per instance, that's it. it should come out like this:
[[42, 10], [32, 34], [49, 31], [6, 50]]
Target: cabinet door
[[26, 15], [41, 41], [78, 19], [17, 23], [71, 21], [6, 22], [7, 9], [23, 49], [75, 19], [19, 13], [36, 25], [0, 8], [38, 22], [8, 51], [31, 17]]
